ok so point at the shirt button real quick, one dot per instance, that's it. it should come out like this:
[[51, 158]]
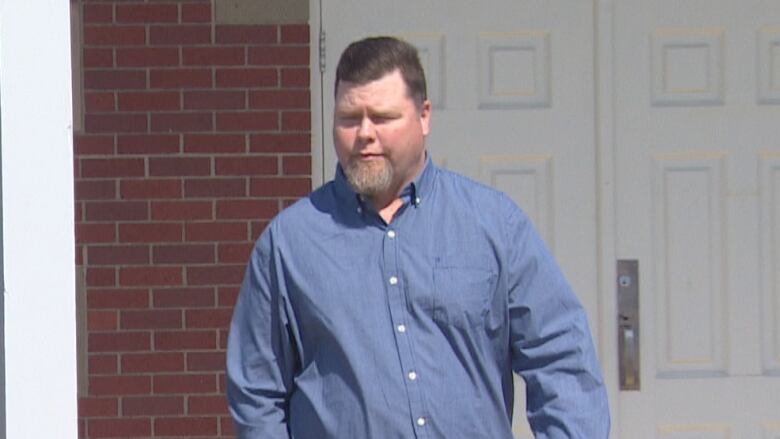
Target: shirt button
[[421, 421], [412, 375], [417, 200], [391, 233], [401, 328], [393, 280], [359, 210]]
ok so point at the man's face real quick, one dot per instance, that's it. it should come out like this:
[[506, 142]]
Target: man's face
[[379, 133]]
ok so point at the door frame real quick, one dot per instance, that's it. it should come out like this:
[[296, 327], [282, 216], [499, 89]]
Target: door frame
[[605, 325]]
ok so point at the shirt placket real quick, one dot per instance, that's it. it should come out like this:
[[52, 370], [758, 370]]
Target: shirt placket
[[401, 328]]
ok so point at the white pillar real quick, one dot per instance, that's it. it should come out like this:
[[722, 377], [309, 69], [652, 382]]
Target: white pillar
[[37, 239]]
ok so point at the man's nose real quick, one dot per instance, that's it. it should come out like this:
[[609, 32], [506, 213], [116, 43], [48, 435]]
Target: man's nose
[[366, 128]]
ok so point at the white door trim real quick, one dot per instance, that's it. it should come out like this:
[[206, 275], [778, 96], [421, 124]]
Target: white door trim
[[39, 312], [605, 199]]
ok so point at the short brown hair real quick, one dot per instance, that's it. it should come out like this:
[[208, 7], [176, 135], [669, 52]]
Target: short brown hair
[[371, 58]]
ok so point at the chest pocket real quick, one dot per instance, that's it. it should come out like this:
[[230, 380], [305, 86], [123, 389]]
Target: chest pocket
[[462, 295]]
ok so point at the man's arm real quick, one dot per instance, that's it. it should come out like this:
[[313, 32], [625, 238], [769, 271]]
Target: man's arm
[[260, 353], [551, 343]]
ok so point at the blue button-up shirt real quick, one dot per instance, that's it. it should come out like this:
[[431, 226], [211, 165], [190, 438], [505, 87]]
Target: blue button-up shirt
[[348, 327]]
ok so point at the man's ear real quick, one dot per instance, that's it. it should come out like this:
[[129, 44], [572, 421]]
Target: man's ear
[[425, 117]]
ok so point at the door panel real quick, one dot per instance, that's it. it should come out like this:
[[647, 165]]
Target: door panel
[[512, 85], [696, 148]]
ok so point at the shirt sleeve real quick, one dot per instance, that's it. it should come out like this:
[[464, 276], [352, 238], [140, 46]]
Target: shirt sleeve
[[260, 352], [551, 344]]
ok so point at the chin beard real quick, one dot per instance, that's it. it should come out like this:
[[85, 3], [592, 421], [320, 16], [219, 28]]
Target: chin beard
[[369, 179]]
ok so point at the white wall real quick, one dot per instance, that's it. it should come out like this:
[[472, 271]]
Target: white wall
[[37, 220]]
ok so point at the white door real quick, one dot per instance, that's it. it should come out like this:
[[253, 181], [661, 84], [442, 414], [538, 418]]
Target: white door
[[697, 87], [512, 88]]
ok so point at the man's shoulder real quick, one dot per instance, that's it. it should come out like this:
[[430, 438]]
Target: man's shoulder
[[471, 192]]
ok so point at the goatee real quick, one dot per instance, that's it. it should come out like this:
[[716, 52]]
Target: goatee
[[369, 178]]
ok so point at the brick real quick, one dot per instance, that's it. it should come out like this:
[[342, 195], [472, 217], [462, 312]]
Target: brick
[[98, 407], [153, 362], [100, 277], [246, 77], [93, 144], [181, 340], [147, 319], [150, 232], [114, 79], [150, 189], [206, 361], [210, 318], [259, 226], [199, 297], [295, 77], [99, 102], [227, 427], [215, 187], [262, 165], [178, 122], [207, 405], [223, 339], [147, 56], [104, 168], [196, 13], [142, 276], [118, 255], [279, 99], [102, 320], [226, 296], [234, 253], [95, 233], [147, 143], [214, 100], [216, 231], [152, 405], [239, 34], [98, 13], [296, 121], [101, 364], [279, 187], [191, 383], [179, 166], [280, 143], [94, 58], [180, 78], [213, 56], [113, 298], [296, 165], [115, 123], [118, 342], [119, 427], [112, 35], [184, 254], [180, 34], [215, 275], [214, 143], [184, 210], [147, 13], [189, 426], [279, 55], [117, 211], [247, 121], [95, 190], [247, 209], [295, 34]]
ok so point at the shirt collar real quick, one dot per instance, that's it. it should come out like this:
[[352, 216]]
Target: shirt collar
[[417, 191]]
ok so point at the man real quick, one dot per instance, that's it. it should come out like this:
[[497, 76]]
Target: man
[[396, 300]]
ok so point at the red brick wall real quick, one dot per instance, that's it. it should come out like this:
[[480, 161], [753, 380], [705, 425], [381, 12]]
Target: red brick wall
[[194, 137]]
